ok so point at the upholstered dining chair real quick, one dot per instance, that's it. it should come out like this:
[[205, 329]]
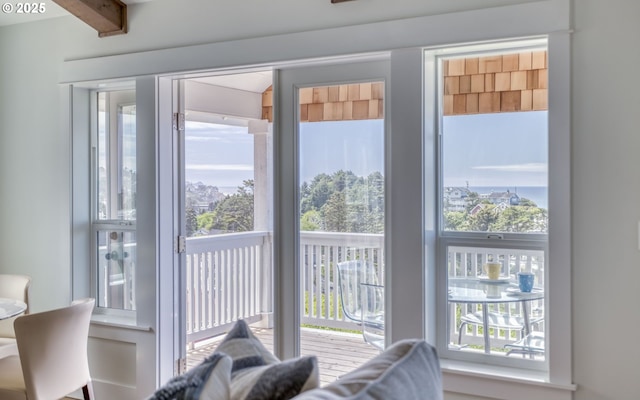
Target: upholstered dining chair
[[12, 287], [52, 361]]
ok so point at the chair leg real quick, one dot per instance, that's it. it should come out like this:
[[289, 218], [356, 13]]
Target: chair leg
[[87, 392], [462, 326]]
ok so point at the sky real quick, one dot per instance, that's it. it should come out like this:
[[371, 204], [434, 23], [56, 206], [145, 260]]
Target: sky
[[218, 155], [499, 150], [222, 155], [356, 146]]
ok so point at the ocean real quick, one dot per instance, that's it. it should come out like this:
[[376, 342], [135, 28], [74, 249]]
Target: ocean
[[537, 194]]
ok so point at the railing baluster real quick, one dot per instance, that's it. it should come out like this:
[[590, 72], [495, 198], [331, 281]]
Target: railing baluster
[[318, 282], [217, 290], [239, 284], [209, 287], [336, 285], [326, 284], [253, 280], [226, 284]]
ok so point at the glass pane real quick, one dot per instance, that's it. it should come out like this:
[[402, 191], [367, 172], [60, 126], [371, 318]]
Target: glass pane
[[494, 145], [116, 261], [219, 176], [494, 158], [491, 314], [341, 158], [116, 156], [228, 212]]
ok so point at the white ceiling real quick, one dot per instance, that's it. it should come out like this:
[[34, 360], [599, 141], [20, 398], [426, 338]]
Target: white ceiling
[[256, 82], [51, 10]]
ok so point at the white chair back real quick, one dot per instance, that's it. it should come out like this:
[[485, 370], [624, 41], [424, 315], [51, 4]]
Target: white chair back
[[53, 351]]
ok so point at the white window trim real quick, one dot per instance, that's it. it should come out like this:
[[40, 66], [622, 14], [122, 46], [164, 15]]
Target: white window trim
[[555, 381], [515, 241]]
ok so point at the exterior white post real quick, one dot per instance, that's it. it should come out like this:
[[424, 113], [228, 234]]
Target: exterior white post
[[262, 132]]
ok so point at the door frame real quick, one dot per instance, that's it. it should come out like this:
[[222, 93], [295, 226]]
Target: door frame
[[287, 307]]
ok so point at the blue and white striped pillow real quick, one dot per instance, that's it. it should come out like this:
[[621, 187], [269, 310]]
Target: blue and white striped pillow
[[257, 374]]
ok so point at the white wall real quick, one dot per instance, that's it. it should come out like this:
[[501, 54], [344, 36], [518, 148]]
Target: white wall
[[34, 151], [606, 142], [34, 164]]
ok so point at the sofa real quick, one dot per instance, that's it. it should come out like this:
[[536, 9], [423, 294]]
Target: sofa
[[241, 368]]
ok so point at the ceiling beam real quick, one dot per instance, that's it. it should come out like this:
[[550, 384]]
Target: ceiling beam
[[108, 17]]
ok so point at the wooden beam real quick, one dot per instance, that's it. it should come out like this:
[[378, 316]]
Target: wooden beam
[[108, 17]]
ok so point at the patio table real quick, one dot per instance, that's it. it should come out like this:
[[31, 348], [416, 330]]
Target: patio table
[[485, 292], [11, 307]]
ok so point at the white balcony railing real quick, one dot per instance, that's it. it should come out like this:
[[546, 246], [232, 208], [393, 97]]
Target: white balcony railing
[[230, 277], [320, 252]]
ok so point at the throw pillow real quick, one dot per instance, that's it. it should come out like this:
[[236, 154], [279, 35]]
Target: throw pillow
[[409, 369], [259, 375], [209, 380]]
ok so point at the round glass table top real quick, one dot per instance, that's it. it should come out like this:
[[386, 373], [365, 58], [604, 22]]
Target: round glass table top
[[470, 290], [11, 307]]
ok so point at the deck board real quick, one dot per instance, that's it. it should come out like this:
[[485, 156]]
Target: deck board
[[337, 352]]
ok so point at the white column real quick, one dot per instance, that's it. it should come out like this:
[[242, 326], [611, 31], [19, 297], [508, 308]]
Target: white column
[[263, 175], [262, 132]]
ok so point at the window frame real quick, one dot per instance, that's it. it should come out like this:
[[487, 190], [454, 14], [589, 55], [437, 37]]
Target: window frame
[[476, 239], [96, 223], [462, 374]]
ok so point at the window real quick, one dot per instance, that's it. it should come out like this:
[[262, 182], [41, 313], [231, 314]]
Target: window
[[492, 196], [114, 199]]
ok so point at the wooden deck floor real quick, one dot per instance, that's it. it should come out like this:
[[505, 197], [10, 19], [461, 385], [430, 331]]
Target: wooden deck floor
[[337, 352]]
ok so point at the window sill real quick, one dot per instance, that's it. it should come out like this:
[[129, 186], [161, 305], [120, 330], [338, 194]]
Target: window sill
[[501, 382], [118, 321]]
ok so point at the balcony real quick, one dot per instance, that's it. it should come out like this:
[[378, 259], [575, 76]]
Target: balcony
[[229, 278]]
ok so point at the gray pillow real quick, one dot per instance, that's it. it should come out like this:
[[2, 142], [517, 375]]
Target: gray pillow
[[408, 370], [259, 375], [208, 380]]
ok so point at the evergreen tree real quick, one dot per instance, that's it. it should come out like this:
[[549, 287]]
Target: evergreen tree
[[191, 221], [334, 213]]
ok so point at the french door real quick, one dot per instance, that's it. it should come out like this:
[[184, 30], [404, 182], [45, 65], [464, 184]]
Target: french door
[[223, 207], [330, 137], [318, 204]]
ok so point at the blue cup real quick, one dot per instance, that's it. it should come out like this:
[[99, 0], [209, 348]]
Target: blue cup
[[525, 281]]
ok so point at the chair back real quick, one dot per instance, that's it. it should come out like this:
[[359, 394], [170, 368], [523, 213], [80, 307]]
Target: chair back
[[350, 275], [13, 287], [53, 350]]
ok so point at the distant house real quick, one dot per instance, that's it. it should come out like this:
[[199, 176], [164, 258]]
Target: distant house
[[476, 209], [497, 198], [455, 198], [203, 207]]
